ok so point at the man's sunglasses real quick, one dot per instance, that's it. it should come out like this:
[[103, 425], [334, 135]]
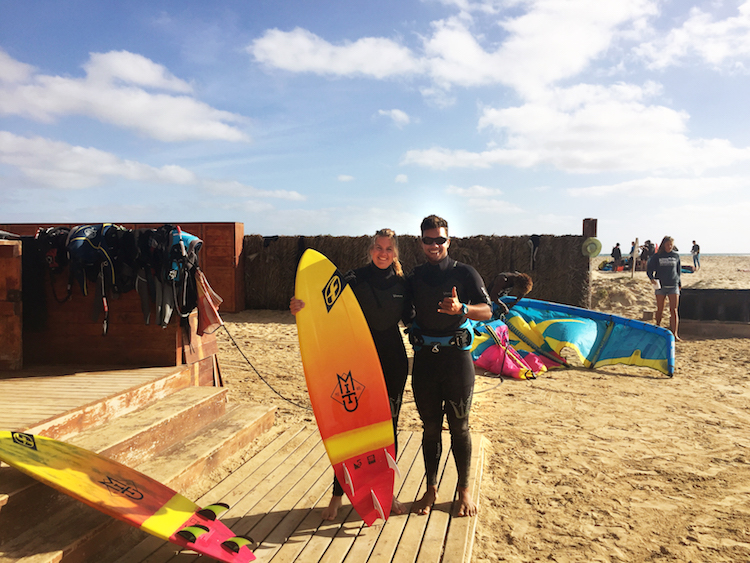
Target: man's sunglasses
[[430, 241]]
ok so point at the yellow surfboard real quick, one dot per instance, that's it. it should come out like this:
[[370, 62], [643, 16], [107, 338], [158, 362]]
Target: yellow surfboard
[[346, 386], [125, 494]]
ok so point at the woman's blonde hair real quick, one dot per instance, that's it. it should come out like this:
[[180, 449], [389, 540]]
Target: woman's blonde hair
[[391, 235], [661, 246]]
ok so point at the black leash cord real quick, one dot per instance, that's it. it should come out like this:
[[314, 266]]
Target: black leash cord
[[258, 373], [500, 379]]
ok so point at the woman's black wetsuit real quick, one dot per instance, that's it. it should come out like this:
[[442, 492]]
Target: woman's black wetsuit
[[443, 377], [382, 296]]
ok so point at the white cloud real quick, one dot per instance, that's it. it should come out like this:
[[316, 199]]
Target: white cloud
[[60, 165], [400, 118], [550, 41], [555, 40], [113, 91], [662, 188], [237, 189], [718, 42], [473, 191], [300, 50], [345, 178], [589, 128], [401, 179], [490, 206], [12, 70], [131, 68]]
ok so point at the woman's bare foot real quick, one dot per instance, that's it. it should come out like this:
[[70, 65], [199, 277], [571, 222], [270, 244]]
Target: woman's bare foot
[[424, 505], [331, 511], [397, 507], [466, 506]]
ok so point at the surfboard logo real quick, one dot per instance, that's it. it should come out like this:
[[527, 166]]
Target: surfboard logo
[[25, 440], [123, 488], [347, 392], [333, 289]]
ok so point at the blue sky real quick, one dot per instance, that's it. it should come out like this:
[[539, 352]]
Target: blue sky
[[506, 117]]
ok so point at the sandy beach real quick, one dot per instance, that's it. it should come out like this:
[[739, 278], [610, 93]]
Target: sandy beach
[[618, 464]]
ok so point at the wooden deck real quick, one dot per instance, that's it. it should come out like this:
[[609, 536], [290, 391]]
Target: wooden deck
[[32, 396], [277, 498]]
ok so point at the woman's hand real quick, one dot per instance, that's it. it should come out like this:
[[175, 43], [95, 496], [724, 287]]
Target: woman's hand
[[296, 305]]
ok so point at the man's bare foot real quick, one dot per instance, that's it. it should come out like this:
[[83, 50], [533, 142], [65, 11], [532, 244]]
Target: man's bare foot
[[397, 507], [424, 505], [466, 506], [331, 511]]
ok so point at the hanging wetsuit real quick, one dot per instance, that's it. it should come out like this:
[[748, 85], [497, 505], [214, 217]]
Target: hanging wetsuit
[[382, 296], [443, 374]]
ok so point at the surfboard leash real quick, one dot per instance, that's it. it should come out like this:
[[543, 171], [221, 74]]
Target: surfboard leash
[[258, 373]]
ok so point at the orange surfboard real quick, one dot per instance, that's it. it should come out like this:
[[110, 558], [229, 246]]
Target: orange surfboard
[[346, 386], [125, 494]]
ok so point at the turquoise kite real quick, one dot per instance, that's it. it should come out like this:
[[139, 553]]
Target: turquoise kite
[[539, 330]]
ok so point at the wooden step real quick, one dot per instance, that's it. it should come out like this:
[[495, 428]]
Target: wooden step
[[73, 532], [125, 392], [135, 437], [130, 439]]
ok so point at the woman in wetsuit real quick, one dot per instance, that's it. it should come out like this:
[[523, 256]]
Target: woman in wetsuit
[[380, 289]]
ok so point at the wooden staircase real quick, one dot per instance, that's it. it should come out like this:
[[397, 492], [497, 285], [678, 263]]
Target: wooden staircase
[[166, 427]]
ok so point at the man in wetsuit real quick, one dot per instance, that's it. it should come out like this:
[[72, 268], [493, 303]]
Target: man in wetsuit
[[445, 293]]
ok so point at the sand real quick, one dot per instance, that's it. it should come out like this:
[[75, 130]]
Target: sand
[[618, 464]]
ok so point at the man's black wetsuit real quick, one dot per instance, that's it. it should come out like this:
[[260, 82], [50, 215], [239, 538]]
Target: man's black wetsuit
[[443, 378], [382, 295]]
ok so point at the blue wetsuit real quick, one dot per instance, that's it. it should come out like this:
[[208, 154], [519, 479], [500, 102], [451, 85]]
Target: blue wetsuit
[[382, 296], [443, 378]]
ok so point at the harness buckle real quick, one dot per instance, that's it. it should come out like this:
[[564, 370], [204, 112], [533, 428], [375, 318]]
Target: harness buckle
[[435, 347]]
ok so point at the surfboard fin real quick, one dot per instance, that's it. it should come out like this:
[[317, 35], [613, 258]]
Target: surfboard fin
[[392, 463], [212, 511], [376, 504], [192, 533], [236, 543], [348, 478]]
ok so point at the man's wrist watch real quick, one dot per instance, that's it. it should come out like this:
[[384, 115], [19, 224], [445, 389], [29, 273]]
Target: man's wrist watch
[[464, 308]]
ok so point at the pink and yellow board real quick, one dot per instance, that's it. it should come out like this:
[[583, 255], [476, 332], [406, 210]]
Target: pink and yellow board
[[125, 494], [346, 386]]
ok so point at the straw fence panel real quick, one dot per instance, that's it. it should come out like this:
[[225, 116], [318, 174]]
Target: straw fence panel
[[559, 270]]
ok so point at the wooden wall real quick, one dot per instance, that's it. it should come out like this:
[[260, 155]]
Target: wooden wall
[[221, 257], [559, 269], [71, 332], [11, 348]]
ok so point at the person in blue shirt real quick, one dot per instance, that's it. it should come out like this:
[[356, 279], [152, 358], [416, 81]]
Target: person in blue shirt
[[696, 252], [664, 272]]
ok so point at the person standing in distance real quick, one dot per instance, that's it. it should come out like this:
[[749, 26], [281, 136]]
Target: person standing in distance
[[664, 272], [696, 252], [445, 294]]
